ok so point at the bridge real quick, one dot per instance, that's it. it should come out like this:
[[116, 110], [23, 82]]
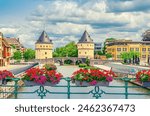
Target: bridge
[[74, 60], [61, 60]]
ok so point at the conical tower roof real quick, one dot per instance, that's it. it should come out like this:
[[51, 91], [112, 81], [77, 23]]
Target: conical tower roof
[[44, 38], [85, 38]]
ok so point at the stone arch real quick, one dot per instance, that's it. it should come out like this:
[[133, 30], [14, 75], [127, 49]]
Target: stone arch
[[78, 61], [59, 61], [68, 61]]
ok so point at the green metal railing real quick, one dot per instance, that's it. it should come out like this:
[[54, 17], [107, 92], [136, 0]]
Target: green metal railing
[[96, 91]]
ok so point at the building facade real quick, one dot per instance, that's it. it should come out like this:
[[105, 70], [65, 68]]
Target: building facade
[[85, 46], [98, 46], [43, 47], [5, 51], [119, 46], [15, 45]]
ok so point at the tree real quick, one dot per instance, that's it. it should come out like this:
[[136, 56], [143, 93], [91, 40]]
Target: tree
[[104, 48], [108, 55], [98, 52], [130, 56], [29, 54], [69, 50], [87, 61], [17, 55]]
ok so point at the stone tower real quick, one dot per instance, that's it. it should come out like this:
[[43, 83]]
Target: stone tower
[[43, 47], [85, 46]]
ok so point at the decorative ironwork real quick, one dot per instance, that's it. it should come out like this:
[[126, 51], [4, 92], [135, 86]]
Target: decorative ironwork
[[96, 92]]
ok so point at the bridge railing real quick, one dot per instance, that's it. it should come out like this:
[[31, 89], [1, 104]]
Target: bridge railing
[[14, 90]]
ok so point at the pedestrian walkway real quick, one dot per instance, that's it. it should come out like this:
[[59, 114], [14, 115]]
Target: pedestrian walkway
[[103, 67], [131, 65], [12, 67]]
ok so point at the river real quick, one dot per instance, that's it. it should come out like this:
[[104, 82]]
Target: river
[[67, 71]]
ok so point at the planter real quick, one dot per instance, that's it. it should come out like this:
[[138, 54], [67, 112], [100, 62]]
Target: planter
[[84, 83], [146, 84], [32, 83]]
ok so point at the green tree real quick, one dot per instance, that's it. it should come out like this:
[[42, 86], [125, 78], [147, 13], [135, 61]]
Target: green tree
[[104, 47], [108, 55], [29, 54], [17, 55], [87, 61], [98, 52], [69, 50]]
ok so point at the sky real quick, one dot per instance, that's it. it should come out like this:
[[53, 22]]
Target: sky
[[66, 20]]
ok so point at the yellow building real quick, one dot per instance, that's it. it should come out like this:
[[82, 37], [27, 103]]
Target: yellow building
[[85, 46], [116, 47], [43, 47]]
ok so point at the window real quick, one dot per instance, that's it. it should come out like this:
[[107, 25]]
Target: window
[[118, 56], [143, 49], [143, 56], [85, 52], [45, 53], [124, 49], [148, 49], [131, 49], [137, 49], [79, 52], [113, 50], [118, 49]]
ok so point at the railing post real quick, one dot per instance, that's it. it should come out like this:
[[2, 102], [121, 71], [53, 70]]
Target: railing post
[[68, 87], [126, 80], [16, 87]]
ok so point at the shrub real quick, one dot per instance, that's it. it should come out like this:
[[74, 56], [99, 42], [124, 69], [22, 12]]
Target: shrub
[[82, 65], [50, 67]]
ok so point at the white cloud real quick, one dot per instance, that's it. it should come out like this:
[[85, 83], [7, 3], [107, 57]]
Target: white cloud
[[67, 20]]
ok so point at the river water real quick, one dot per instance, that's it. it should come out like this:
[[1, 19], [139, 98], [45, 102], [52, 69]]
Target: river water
[[67, 71]]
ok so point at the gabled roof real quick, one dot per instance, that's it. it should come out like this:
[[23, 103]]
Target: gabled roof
[[5, 43], [44, 38], [12, 41], [85, 38]]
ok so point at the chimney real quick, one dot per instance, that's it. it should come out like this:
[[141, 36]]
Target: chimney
[[18, 39]]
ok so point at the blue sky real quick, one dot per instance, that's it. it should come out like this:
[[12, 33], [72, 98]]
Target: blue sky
[[66, 20]]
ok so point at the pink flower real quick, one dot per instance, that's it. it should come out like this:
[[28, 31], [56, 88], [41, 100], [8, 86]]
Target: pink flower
[[109, 79], [94, 82]]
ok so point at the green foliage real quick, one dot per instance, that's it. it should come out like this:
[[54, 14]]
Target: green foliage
[[70, 50], [50, 66], [87, 61], [104, 47], [82, 65], [17, 55], [78, 62], [13, 46], [108, 55], [68, 61], [98, 52], [29, 54]]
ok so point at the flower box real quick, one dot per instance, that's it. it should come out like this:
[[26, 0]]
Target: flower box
[[5, 74], [146, 84], [37, 77], [84, 83], [92, 77], [32, 83]]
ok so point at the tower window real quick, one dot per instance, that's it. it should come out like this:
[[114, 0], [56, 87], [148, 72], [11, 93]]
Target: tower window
[[45, 53], [85, 52]]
